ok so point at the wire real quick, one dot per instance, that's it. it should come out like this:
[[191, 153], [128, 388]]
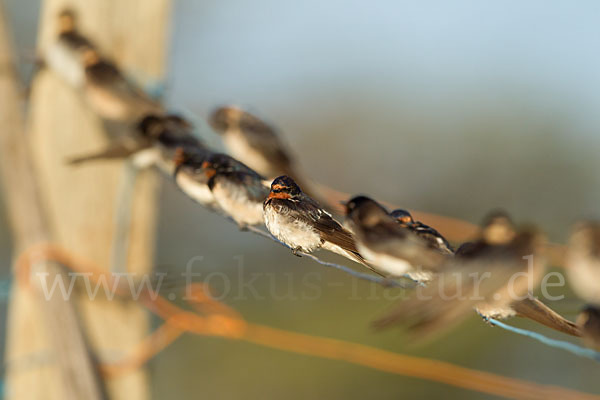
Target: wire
[[558, 344], [360, 275], [220, 320]]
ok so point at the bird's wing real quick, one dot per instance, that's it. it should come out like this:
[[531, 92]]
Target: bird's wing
[[392, 239], [174, 136], [329, 229], [107, 75], [264, 139], [252, 184], [452, 295], [76, 40], [433, 238]]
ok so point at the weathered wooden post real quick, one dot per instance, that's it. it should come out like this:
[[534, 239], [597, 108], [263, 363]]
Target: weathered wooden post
[[79, 204]]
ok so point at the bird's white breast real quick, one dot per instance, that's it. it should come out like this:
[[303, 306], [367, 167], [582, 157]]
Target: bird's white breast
[[146, 158], [293, 232], [385, 263], [584, 277], [197, 191], [237, 205], [65, 62]]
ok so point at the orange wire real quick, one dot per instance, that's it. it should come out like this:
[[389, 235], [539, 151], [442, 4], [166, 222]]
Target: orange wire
[[227, 323], [148, 348], [453, 229]]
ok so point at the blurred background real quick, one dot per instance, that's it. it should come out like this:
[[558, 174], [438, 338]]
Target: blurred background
[[447, 107]]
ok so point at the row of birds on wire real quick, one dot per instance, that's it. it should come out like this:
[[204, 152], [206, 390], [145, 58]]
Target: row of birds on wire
[[291, 207]]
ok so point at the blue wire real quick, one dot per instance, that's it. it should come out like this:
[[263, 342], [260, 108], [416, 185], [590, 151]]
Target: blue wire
[[558, 344]]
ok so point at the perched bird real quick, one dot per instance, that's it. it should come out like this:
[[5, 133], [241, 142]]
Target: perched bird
[[583, 268], [589, 323], [497, 229], [168, 133], [430, 235], [238, 190], [258, 145], [301, 223], [390, 247], [110, 94], [252, 141], [64, 55], [191, 178], [154, 142], [491, 277]]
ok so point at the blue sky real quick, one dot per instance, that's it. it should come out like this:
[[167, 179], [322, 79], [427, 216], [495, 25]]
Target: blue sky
[[258, 51]]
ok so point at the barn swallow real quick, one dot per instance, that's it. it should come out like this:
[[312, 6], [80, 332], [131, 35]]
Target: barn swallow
[[168, 133], [258, 145], [492, 277], [392, 248], [589, 323], [430, 235], [302, 224], [64, 55], [497, 228], [171, 131], [110, 94], [238, 190], [252, 141], [583, 261], [191, 178], [154, 142]]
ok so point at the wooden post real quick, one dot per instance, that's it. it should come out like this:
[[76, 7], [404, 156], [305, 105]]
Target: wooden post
[[80, 203], [36, 324]]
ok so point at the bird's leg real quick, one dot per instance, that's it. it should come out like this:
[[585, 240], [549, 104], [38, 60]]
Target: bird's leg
[[486, 318], [295, 251], [243, 227]]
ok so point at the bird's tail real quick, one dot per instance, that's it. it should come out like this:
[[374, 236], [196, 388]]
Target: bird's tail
[[535, 310], [115, 151]]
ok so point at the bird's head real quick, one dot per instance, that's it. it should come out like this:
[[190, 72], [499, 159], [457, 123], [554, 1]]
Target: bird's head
[[151, 125], [67, 21], [224, 118], [90, 57], [365, 211], [179, 121], [188, 159], [497, 228], [219, 163], [403, 217], [284, 187]]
